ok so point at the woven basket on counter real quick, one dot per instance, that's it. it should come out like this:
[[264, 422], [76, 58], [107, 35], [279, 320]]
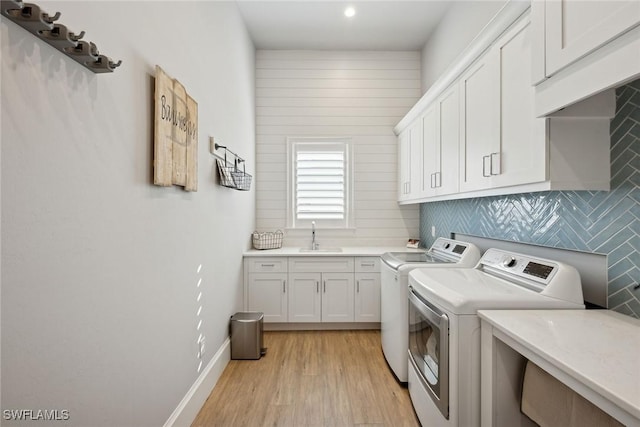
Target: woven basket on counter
[[268, 240]]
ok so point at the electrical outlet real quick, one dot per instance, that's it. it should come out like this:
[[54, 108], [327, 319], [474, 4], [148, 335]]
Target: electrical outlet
[[212, 145], [433, 231]]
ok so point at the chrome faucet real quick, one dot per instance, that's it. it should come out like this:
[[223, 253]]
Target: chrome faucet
[[314, 244]]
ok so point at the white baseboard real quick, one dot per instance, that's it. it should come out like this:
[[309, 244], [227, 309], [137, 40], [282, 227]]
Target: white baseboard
[[192, 402], [330, 326]]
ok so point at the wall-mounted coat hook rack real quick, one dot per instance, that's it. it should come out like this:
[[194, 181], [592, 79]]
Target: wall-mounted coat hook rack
[[39, 23]]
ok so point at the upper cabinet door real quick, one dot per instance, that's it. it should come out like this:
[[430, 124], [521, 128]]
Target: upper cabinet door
[[404, 165], [480, 122], [523, 152], [431, 150], [575, 28], [415, 182], [446, 178]]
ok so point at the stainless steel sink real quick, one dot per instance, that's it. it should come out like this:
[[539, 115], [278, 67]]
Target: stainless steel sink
[[322, 250]]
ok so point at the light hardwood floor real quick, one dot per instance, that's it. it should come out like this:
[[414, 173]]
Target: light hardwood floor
[[310, 378]]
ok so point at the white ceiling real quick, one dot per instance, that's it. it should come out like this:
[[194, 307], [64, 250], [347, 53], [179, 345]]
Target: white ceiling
[[377, 25]]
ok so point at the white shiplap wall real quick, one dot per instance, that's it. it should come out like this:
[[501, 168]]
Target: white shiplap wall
[[361, 95]]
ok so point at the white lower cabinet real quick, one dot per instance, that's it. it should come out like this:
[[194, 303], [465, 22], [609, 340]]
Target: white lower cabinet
[[305, 299], [321, 297], [367, 297], [267, 292], [337, 297], [314, 289]]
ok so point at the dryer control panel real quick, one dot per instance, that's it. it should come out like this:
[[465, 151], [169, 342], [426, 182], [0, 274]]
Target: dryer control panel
[[538, 270], [548, 277]]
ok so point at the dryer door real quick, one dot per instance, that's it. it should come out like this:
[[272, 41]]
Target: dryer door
[[429, 349]]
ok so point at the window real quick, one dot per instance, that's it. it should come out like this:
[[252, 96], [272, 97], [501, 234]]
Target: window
[[319, 182]]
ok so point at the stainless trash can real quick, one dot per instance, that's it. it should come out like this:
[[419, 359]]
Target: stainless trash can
[[246, 335]]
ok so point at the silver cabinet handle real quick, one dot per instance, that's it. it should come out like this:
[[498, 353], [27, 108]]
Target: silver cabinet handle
[[438, 179], [268, 265], [497, 168], [284, 286], [367, 264], [325, 286], [317, 287], [484, 166], [358, 286]]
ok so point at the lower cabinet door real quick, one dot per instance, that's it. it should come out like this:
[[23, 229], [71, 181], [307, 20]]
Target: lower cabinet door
[[367, 297], [305, 295], [337, 297], [267, 293]]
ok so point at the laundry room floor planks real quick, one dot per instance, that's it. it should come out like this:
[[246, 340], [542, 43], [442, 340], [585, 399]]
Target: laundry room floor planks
[[310, 378]]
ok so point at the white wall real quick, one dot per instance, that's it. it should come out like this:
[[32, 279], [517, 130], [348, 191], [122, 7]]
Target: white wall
[[361, 95], [454, 33], [100, 267]]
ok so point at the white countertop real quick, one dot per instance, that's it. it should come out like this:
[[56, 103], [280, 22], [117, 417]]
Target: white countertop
[[346, 251], [598, 348]]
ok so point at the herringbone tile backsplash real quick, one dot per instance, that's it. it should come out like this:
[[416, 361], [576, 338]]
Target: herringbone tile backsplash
[[594, 221]]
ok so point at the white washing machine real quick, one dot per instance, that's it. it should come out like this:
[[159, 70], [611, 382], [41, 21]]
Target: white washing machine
[[444, 329], [394, 291]]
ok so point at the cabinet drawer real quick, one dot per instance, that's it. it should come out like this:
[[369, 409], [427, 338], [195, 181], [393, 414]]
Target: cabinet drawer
[[368, 265], [321, 264], [267, 265]]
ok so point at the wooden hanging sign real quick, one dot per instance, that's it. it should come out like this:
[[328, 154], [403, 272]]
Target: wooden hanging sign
[[175, 134]]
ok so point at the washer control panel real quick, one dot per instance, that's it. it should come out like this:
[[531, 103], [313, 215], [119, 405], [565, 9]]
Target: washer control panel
[[448, 246], [527, 267]]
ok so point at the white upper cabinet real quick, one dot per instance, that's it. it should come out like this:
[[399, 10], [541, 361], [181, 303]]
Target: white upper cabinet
[[582, 47], [502, 144], [431, 150], [479, 123], [404, 165], [441, 130], [410, 162], [520, 154], [575, 28], [481, 135], [446, 180]]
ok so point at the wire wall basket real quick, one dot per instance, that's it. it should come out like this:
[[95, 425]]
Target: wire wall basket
[[230, 174], [267, 240]]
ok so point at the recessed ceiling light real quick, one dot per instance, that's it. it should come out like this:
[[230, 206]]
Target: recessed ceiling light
[[349, 12]]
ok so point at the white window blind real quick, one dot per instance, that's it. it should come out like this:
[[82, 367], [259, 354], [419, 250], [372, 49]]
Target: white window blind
[[320, 187]]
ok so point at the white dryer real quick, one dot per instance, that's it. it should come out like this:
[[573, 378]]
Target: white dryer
[[394, 291], [444, 329]]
